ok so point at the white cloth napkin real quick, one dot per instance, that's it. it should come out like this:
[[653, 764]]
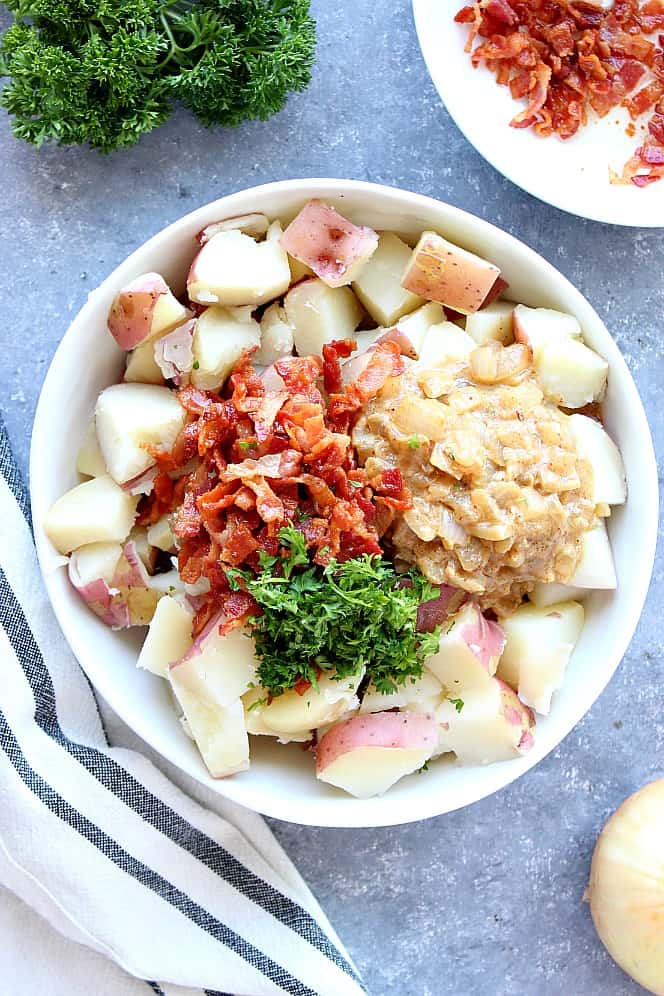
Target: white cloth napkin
[[118, 860]]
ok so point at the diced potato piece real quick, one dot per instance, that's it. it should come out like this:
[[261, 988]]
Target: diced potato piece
[[168, 583], [416, 325], [596, 568], [130, 417], [144, 309], [544, 594], [594, 443], [217, 668], [95, 561], [299, 270], [146, 552], [538, 327], [89, 460], [422, 695], [92, 570], [377, 284], [320, 314], [142, 368], [169, 636], [492, 324], [93, 512], [251, 224], [291, 713], [233, 269], [160, 534], [334, 248], [366, 339], [366, 755], [111, 586], [222, 335], [440, 271], [489, 724], [539, 645], [571, 374], [469, 651], [219, 732], [255, 700], [276, 337], [445, 343]]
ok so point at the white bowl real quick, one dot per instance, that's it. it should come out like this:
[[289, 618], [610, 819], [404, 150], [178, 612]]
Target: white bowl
[[281, 781]]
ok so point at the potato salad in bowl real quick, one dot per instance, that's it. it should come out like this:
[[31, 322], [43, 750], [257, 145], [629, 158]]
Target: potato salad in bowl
[[357, 493]]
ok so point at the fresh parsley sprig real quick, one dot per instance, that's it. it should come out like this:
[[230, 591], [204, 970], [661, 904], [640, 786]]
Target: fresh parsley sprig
[[105, 72], [340, 618]]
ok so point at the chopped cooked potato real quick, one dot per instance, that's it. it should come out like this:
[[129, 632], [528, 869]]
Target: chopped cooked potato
[[440, 271]]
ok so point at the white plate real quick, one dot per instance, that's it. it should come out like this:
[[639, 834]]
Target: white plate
[[572, 175]]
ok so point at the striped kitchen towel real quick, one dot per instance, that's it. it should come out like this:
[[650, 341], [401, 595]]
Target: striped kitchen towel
[[98, 842]]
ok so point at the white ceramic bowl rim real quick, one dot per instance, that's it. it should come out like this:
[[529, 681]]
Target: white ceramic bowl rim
[[281, 784]]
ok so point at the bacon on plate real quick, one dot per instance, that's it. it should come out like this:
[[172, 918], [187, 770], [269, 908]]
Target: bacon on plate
[[567, 57]]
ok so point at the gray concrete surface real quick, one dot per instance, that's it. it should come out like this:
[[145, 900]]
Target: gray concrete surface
[[485, 902]]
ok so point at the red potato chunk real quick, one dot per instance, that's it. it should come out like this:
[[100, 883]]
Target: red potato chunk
[[540, 643], [130, 420], [469, 651], [251, 224], [145, 308], [233, 270], [366, 755], [488, 724], [113, 582], [218, 667], [334, 248], [440, 271], [97, 511]]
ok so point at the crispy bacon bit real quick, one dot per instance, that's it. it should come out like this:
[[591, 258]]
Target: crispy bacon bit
[[385, 362], [333, 353], [567, 56], [301, 686]]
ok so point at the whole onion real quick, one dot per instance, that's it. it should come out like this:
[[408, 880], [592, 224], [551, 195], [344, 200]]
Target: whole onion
[[626, 889]]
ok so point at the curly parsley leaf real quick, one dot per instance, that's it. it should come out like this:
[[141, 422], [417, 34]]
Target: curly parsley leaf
[[108, 71], [339, 618]]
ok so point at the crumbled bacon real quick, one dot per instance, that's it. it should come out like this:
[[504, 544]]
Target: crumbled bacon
[[251, 460], [333, 353], [567, 56], [385, 362]]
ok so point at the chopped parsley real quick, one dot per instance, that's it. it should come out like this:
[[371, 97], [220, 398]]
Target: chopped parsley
[[105, 72], [340, 618], [457, 703], [414, 442], [247, 444], [196, 364], [258, 702]]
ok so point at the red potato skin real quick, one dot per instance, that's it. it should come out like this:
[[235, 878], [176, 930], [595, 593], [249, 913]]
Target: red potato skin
[[130, 317], [520, 334], [407, 730], [518, 714], [327, 242], [440, 272]]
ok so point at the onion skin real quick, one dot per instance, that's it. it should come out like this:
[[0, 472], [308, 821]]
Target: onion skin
[[626, 889]]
